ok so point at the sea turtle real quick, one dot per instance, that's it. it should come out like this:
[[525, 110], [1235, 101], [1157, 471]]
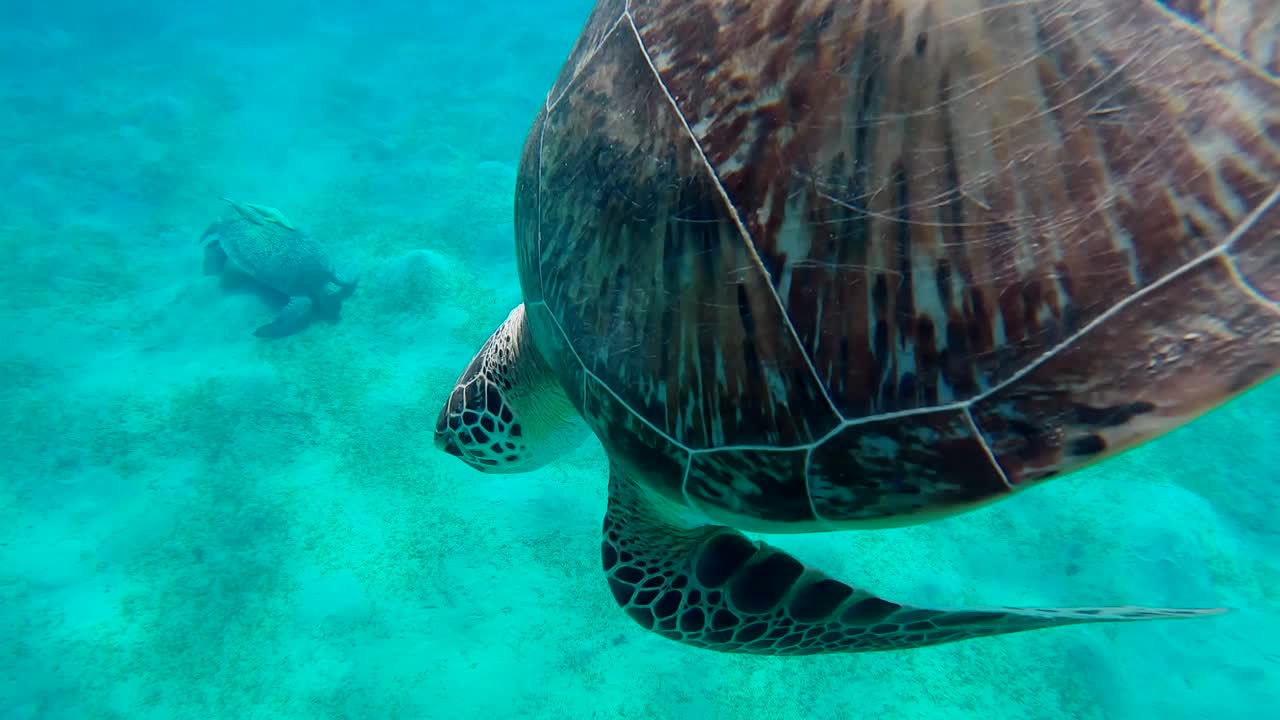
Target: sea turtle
[[813, 265], [262, 243]]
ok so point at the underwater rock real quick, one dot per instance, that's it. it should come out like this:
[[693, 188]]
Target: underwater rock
[[404, 283]]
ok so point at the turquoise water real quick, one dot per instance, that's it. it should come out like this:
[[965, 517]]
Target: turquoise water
[[197, 523]]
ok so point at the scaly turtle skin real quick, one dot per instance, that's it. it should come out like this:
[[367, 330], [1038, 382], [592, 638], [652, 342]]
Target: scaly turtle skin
[[262, 243], [817, 265]]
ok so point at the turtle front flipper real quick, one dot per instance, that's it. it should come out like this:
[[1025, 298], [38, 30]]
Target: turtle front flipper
[[711, 587], [289, 321], [507, 412], [215, 258]]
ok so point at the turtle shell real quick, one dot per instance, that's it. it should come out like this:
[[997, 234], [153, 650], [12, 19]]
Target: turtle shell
[[823, 263], [274, 252]]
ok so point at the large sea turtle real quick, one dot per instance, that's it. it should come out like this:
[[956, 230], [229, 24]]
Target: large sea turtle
[[263, 244], [812, 265]]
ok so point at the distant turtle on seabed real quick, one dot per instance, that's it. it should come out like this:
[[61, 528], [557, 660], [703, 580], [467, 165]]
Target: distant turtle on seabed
[[263, 244], [815, 266]]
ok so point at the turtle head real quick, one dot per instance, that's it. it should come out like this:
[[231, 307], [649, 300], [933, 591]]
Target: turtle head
[[479, 427], [507, 412]]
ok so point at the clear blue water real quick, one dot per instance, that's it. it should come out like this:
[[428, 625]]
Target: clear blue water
[[195, 523]]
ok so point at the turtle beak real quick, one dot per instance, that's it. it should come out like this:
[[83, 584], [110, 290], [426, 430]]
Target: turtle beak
[[448, 445]]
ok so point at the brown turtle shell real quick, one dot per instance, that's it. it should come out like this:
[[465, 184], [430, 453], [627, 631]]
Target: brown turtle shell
[[821, 263]]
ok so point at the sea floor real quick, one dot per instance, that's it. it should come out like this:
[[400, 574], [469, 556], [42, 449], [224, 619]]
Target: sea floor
[[197, 523]]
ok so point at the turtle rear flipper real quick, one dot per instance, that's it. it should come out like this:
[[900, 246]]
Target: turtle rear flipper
[[712, 587], [289, 321]]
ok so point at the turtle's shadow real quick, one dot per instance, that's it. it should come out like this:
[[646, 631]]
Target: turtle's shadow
[[328, 310], [234, 283]]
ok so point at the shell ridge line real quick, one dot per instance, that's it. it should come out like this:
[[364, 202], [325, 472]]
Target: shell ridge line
[[542, 288], [1211, 41], [1272, 200], [737, 221], [1206, 256], [986, 447], [590, 55], [808, 488]]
